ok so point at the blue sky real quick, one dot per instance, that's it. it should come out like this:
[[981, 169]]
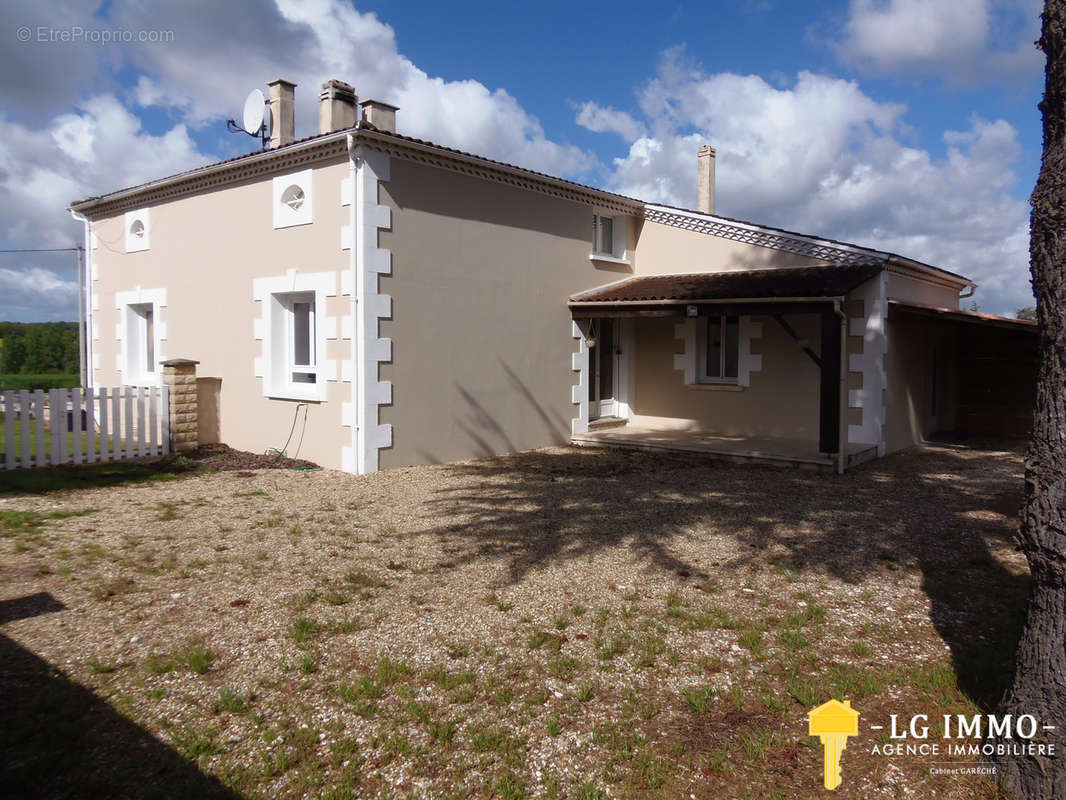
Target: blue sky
[[908, 125]]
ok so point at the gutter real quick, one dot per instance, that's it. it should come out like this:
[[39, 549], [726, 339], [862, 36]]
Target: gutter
[[704, 301]]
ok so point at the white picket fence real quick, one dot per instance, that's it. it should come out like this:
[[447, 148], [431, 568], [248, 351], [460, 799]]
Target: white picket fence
[[76, 426]]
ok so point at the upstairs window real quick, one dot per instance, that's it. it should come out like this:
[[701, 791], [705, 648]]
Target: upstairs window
[[608, 238], [719, 356]]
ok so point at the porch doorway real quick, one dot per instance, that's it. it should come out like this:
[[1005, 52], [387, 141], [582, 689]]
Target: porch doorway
[[603, 370]]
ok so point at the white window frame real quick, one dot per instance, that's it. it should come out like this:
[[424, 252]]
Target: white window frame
[[614, 251], [136, 242], [285, 215], [132, 332], [276, 329], [703, 331]]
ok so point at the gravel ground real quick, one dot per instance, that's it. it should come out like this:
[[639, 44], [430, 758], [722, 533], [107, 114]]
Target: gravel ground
[[561, 623]]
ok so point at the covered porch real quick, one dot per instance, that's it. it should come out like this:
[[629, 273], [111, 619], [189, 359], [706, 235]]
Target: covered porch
[[762, 372]]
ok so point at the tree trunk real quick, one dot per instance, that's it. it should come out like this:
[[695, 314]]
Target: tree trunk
[[1039, 685]]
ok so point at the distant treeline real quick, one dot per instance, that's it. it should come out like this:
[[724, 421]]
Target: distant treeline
[[38, 347]]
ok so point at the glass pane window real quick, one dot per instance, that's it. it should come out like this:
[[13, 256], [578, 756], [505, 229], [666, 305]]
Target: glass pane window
[[149, 339], [714, 347], [731, 351], [603, 240], [720, 358], [302, 355]]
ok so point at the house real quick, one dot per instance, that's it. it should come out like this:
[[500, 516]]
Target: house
[[384, 301]]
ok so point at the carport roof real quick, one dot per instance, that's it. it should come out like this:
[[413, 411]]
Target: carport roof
[[834, 280]]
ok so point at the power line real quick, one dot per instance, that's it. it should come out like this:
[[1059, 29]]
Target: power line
[[44, 250]]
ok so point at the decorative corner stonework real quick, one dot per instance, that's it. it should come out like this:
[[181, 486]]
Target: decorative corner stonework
[[179, 376], [579, 393], [369, 349]]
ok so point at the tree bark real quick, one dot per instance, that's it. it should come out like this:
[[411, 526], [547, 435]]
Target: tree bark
[[1039, 684]]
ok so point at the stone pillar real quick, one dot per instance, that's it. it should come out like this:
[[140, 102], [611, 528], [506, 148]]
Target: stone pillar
[[180, 375]]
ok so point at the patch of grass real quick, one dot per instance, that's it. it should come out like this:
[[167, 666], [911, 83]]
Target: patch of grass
[[752, 639], [554, 726], [196, 657], [193, 744], [302, 629], [102, 667], [231, 701], [585, 692], [105, 590], [44, 480], [448, 681], [616, 645], [861, 649], [390, 671], [588, 791], [793, 639], [359, 579], [712, 616], [540, 638], [699, 699], [510, 787], [578, 610], [805, 691], [561, 622], [756, 741]]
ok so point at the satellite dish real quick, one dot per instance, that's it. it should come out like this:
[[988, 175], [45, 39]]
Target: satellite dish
[[254, 112]]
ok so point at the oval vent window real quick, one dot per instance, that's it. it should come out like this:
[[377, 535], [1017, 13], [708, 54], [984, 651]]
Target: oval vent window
[[293, 197], [137, 229]]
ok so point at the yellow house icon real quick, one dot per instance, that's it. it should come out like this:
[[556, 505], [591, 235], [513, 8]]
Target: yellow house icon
[[833, 722]]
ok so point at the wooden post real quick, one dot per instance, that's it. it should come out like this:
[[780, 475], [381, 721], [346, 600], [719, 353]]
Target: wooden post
[[179, 375]]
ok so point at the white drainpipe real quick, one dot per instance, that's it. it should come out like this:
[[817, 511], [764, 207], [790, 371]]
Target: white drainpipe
[[85, 304]]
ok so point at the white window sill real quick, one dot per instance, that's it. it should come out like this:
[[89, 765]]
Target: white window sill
[[716, 387], [295, 394], [608, 259]]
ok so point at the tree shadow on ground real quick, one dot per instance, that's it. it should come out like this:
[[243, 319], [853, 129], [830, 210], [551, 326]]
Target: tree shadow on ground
[[61, 741], [936, 510]]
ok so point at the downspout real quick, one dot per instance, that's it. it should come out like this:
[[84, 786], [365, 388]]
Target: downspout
[[357, 432], [842, 447], [85, 313]]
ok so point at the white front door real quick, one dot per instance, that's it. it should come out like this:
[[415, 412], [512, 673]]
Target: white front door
[[603, 370]]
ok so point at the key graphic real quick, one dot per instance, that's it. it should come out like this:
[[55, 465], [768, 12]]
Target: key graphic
[[833, 722]]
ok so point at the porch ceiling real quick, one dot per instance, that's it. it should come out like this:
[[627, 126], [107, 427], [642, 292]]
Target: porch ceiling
[[787, 283]]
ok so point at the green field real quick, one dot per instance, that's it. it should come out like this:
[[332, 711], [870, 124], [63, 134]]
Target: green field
[[59, 380]]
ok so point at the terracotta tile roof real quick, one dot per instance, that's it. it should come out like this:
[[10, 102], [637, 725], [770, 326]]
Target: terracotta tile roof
[[833, 280], [364, 127], [954, 315]]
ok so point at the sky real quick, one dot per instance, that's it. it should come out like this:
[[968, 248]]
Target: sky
[[905, 125]]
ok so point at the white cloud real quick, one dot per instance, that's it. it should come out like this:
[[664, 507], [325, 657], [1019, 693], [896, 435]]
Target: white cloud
[[599, 119], [32, 294], [309, 42], [962, 41], [822, 157]]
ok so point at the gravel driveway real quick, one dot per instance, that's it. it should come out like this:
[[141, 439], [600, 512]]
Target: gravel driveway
[[560, 623]]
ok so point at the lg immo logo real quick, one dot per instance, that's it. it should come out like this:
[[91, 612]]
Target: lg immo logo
[[833, 722]]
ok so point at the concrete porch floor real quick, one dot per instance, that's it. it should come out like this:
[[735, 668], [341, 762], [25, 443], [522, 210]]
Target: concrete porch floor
[[767, 450]]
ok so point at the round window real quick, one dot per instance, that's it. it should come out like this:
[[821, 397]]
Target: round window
[[137, 228], [293, 197]]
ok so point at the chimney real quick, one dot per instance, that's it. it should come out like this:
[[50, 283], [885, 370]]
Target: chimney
[[282, 112], [336, 106], [705, 158], [380, 116]]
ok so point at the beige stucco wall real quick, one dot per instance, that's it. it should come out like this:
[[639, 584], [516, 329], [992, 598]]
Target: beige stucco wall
[[914, 290], [205, 251], [664, 249], [482, 337], [782, 400]]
